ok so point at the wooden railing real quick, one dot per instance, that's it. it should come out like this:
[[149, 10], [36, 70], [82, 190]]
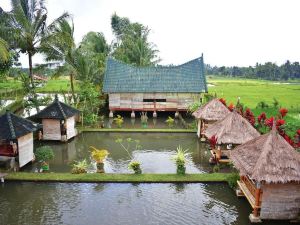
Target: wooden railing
[[250, 185]]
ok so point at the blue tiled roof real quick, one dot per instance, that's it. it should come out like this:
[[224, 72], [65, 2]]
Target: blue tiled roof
[[188, 77]]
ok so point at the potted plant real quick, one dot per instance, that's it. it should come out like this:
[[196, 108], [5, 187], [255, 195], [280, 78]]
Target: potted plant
[[180, 159], [80, 167], [43, 155], [119, 121], [135, 166], [99, 155], [170, 121], [131, 145]]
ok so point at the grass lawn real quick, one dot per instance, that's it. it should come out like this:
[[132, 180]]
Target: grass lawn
[[57, 85], [118, 178], [253, 91], [10, 85]]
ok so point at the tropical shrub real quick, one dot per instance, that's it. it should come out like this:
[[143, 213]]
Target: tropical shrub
[[135, 166], [80, 167], [99, 155], [170, 121], [43, 155], [232, 180], [213, 141], [262, 105], [119, 120], [129, 145], [180, 159]]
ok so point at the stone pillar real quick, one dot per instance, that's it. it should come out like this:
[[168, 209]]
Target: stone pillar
[[132, 114], [111, 114], [176, 114], [154, 114]]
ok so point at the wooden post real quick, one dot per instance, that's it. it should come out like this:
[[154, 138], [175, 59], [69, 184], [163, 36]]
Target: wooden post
[[257, 198]]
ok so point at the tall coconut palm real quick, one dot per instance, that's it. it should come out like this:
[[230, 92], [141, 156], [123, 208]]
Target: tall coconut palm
[[27, 27], [60, 46], [4, 54]]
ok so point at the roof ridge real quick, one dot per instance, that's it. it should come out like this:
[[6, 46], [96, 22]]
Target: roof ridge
[[61, 109], [10, 124]]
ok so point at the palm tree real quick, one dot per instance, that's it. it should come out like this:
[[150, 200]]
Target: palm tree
[[4, 54], [27, 27], [60, 46]]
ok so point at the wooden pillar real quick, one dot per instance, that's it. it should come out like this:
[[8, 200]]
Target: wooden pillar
[[257, 203]]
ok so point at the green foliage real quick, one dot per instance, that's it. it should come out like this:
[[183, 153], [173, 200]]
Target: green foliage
[[180, 159], [80, 167], [130, 145], [194, 106], [44, 154], [216, 168], [119, 120], [131, 45], [135, 166], [232, 180], [275, 103], [98, 154], [170, 121]]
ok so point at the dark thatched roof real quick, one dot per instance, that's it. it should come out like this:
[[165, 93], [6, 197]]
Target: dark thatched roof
[[56, 110], [13, 127], [212, 111], [268, 158], [233, 129], [186, 78]]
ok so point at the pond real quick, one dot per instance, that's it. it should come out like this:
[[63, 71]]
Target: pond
[[72, 204], [155, 155]]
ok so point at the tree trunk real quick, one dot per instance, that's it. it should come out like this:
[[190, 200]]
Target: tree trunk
[[30, 71], [72, 86], [35, 101]]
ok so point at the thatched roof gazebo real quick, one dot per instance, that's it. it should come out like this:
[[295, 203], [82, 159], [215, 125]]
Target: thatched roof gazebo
[[58, 121], [16, 139], [270, 176], [209, 113], [230, 131]]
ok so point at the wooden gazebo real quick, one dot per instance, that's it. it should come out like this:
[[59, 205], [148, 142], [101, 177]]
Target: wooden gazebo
[[209, 113], [229, 132], [58, 120], [16, 140], [270, 177]]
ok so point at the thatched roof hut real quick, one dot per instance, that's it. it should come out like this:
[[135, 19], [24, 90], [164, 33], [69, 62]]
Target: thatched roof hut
[[272, 166], [213, 110], [269, 158], [58, 121], [233, 129], [207, 114], [16, 138]]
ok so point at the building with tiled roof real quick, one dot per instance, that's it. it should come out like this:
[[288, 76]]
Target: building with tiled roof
[[153, 88]]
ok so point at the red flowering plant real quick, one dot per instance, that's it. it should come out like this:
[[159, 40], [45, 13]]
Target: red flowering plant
[[283, 112], [231, 107], [248, 115], [223, 101], [213, 141], [261, 118], [269, 122]]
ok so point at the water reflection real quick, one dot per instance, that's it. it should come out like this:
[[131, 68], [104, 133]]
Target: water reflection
[[156, 153]]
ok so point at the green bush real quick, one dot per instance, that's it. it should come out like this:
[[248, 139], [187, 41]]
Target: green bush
[[232, 180], [80, 167], [135, 166], [44, 153]]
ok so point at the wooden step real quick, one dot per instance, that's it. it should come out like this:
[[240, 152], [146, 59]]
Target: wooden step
[[248, 195]]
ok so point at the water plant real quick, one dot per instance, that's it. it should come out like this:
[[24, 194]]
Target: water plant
[[119, 120], [99, 155], [80, 167], [135, 166], [170, 121], [180, 159], [43, 155], [130, 145]]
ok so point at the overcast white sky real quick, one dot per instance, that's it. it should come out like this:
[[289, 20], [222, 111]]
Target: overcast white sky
[[231, 32]]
